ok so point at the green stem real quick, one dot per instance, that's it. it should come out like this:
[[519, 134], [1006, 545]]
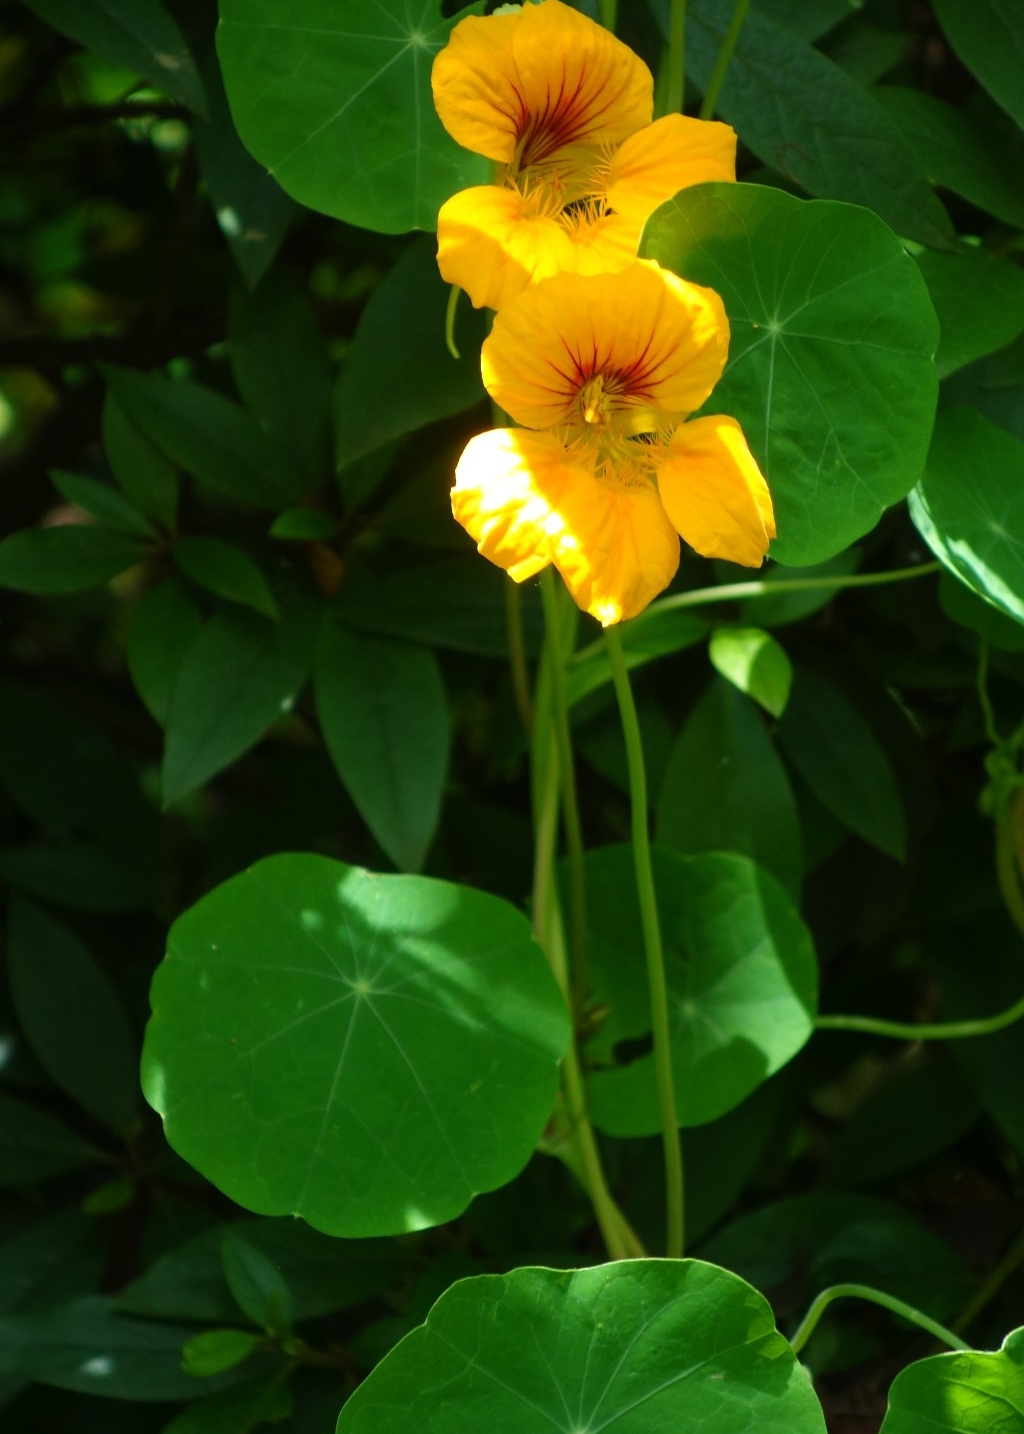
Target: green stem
[[676, 57], [517, 655], [609, 14], [658, 990], [449, 321], [570, 803], [1009, 886], [739, 14], [619, 1239], [877, 1297]]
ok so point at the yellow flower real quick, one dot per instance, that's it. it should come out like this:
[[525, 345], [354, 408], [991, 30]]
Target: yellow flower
[[564, 110], [605, 476]]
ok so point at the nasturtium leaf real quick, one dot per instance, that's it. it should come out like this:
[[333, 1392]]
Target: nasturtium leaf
[[811, 121], [843, 763], [138, 35], [392, 385], [279, 360], [252, 210], [988, 35], [755, 664], [365, 1051], [210, 437], [958, 150], [35, 1146], [334, 99], [72, 1017], [148, 478], [102, 502], [241, 674], [979, 300], [742, 982], [385, 720], [225, 570], [653, 633], [964, 606], [725, 788], [637, 1346], [66, 559], [974, 527], [966, 1392], [831, 369], [164, 625]]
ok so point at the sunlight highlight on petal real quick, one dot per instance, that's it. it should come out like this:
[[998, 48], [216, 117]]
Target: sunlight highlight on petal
[[490, 245]]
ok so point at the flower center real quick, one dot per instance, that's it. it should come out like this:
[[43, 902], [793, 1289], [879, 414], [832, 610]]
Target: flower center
[[595, 403]]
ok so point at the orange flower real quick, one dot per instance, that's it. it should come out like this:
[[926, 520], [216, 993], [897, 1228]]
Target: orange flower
[[605, 475], [564, 110]]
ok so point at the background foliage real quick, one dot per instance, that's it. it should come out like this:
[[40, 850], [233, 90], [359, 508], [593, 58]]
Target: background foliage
[[238, 621]]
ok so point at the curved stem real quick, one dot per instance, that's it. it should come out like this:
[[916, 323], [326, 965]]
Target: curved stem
[[517, 655], [660, 1028], [710, 99], [449, 321], [877, 1297], [675, 58], [570, 804]]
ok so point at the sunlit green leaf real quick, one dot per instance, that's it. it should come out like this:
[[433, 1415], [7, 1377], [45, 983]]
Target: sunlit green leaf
[[639, 1345], [335, 101], [754, 663], [960, 1393], [365, 1051], [975, 527], [741, 975], [830, 363]]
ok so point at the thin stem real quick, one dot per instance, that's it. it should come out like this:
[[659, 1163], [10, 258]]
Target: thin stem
[[658, 990], [1007, 870], [619, 1239], [609, 14], [991, 731], [517, 655], [676, 57], [449, 321], [876, 1297], [739, 14], [570, 803]]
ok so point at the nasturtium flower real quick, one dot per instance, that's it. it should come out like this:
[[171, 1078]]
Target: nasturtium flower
[[605, 474], [564, 110]]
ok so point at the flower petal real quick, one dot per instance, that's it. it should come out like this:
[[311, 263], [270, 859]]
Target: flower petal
[[659, 342], [714, 492], [527, 503], [490, 245], [522, 86], [663, 158]]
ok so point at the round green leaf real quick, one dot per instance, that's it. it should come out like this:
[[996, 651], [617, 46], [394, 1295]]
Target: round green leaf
[[974, 527], [638, 1346], [968, 1393], [334, 99], [831, 368], [368, 1052], [742, 982]]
